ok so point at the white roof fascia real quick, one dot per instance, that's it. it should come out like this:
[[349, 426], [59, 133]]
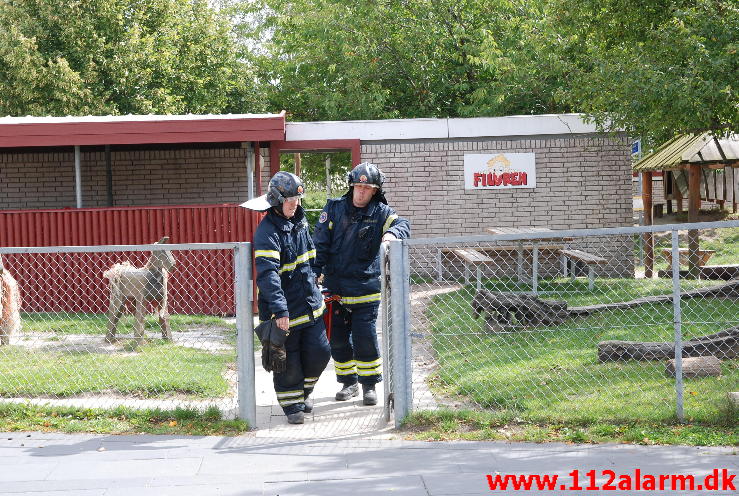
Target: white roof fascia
[[519, 125], [402, 129], [127, 118], [410, 129]]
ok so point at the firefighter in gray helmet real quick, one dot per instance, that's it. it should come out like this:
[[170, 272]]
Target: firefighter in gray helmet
[[347, 237], [290, 304]]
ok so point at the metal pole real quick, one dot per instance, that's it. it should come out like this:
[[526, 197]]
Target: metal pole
[[78, 175], [535, 268], [408, 328], [386, 330], [678, 327], [245, 334], [250, 171], [400, 358], [328, 176], [109, 175]]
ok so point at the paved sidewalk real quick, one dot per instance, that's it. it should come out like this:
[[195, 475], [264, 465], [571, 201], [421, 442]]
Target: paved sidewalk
[[43, 464], [329, 419]]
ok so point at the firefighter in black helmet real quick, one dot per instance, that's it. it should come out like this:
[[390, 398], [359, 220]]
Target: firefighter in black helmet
[[296, 349], [348, 235]]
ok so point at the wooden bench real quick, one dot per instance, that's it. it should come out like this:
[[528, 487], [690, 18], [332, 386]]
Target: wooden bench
[[484, 256], [703, 256], [471, 256], [581, 256]]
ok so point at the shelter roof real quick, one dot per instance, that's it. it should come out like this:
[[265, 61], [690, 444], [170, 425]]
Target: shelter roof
[[139, 129], [703, 149]]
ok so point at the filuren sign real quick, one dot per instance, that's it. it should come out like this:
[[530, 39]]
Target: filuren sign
[[499, 170]]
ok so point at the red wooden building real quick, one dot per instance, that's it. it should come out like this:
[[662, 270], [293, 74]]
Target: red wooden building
[[131, 180]]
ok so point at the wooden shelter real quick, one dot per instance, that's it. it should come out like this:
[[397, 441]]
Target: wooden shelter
[[690, 163]]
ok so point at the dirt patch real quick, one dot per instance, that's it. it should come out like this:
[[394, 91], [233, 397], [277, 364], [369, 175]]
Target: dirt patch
[[208, 338]]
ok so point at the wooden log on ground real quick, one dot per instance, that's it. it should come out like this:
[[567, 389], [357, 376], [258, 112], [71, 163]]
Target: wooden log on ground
[[723, 344], [528, 310], [706, 366], [728, 290]]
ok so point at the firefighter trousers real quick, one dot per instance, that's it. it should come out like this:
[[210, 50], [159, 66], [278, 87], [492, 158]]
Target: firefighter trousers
[[308, 353], [354, 344]]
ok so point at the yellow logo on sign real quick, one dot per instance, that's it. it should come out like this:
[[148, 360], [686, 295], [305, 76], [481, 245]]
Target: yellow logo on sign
[[499, 164]]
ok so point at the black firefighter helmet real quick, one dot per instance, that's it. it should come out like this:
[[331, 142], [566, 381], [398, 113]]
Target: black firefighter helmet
[[367, 174]]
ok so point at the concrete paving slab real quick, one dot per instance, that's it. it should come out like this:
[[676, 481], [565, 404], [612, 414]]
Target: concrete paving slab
[[267, 465], [402, 486], [112, 469], [453, 484], [221, 489], [24, 470], [78, 492]]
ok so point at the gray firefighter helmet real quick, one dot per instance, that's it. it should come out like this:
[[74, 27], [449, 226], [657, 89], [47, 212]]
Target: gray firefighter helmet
[[281, 187]]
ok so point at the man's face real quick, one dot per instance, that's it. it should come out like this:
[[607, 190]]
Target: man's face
[[290, 206], [362, 195]]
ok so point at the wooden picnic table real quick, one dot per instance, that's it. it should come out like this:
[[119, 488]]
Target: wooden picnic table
[[524, 230], [534, 247]]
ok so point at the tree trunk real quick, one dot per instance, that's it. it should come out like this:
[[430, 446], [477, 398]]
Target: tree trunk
[[724, 344], [511, 310], [707, 366]]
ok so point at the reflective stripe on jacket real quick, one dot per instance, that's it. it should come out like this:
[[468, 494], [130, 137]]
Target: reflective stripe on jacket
[[283, 251], [347, 243]]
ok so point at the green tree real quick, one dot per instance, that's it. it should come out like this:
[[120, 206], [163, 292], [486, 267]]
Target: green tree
[[119, 57], [331, 59], [653, 68]]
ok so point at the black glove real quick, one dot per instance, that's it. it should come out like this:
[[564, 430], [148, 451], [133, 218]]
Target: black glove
[[263, 331], [277, 352], [274, 355]]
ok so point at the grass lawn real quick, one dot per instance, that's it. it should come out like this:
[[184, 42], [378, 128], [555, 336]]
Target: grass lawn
[[156, 369], [120, 420], [61, 368], [551, 376]]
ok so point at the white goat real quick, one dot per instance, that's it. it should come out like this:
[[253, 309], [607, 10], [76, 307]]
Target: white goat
[[143, 285]]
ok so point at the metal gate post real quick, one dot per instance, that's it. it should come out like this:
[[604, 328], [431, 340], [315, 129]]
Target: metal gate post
[[245, 334], [400, 329], [386, 331], [677, 312]]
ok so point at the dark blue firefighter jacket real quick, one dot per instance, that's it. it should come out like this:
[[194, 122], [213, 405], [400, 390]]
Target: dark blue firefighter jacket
[[347, 241], [283, 251]]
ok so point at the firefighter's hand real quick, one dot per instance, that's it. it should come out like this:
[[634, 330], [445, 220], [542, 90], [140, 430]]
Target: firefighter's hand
[[388, 237], [283, 323]]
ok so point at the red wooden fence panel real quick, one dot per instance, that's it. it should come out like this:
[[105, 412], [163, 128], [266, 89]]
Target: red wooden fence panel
[[200, 283]]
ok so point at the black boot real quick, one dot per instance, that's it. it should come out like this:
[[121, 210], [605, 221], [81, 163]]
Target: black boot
[[369, 395], [308, 405], [296, 418], [347, 392]]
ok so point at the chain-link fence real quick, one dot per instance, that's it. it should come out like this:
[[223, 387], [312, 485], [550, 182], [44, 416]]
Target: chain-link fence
[[151, 326], [564, 326]]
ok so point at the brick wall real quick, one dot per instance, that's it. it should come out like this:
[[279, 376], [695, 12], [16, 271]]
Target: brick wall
[[148, 177], [582, 182]]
